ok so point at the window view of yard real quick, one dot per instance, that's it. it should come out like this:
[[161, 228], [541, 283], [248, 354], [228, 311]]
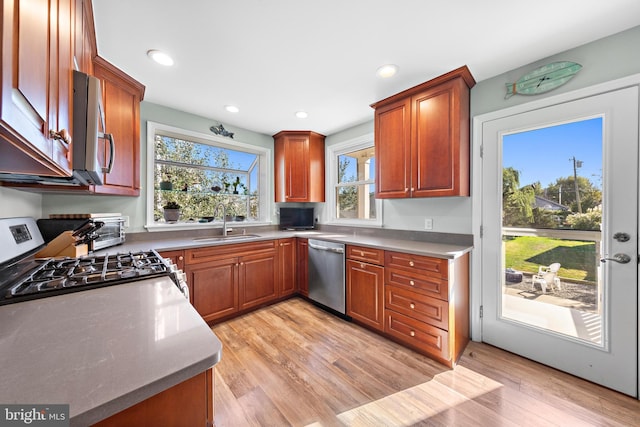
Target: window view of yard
[[552, 214], [194, 177]]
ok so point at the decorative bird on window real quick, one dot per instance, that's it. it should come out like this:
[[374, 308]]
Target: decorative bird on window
[[220, 130]]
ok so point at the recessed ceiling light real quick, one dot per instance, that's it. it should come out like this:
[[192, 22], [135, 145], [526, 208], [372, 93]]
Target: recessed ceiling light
[[302, 114], [160, 57], [386, 71], [231, 108]]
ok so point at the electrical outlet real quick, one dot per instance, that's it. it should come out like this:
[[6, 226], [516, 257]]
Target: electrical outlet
[[126, 221], [428, 223]]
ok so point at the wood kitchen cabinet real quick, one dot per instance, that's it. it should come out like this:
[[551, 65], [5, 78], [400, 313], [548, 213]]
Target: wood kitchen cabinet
[[36, 91], [427, 304], [287, 267], [226, 280], [299, 166], [303, 266], [122, 96], [365, 286], [85, 48], [422, 139], [187, 404], [177, 257]]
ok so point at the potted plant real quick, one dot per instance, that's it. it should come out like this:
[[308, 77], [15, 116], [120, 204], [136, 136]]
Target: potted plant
[[171, 212], [235, 184]]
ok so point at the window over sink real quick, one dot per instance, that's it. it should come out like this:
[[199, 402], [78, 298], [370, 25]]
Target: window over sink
[[199, 171], [351, 199]]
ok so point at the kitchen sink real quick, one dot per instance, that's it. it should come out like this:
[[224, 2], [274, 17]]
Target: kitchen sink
[[225, 238]]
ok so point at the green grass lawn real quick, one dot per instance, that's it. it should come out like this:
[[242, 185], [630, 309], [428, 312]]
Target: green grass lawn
[[577, 258]]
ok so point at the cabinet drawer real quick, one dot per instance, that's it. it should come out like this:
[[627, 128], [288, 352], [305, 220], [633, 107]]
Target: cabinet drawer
[[205, 254], [426, 309], [427, 285], [429, 266], [361, 253], [427, 338]]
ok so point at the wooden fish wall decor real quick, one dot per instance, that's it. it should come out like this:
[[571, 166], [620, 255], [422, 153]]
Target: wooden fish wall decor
[[543, 79]]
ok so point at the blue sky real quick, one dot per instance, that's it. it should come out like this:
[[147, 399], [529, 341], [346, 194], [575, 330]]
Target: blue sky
[[544, 154]]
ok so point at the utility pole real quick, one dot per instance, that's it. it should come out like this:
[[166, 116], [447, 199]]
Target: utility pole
[[576, 164]]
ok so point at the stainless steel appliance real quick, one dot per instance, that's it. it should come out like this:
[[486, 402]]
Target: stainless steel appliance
[[104, 232], [326, 274], [22, 277]]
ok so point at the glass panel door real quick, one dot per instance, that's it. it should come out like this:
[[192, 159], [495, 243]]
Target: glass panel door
[[559, 250]]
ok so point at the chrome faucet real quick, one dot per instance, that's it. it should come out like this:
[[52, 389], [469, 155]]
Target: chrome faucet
[[224, 217]]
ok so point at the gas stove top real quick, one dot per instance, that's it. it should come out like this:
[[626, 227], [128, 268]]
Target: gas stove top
[[26, 278]]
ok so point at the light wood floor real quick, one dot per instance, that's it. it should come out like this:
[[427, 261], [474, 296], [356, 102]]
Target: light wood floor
[[293, 364]]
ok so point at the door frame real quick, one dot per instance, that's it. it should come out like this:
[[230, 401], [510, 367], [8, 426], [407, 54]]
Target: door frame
[[477, 176]]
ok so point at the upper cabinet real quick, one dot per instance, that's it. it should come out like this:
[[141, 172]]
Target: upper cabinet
[[299, 166], [422, 139], [121, 95], [35, 106], [42, 43]]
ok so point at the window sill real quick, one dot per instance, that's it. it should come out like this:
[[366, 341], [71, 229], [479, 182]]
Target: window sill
[[356, 223], [201, 225]]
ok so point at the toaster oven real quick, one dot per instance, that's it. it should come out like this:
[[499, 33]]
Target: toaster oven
[[109, 234]]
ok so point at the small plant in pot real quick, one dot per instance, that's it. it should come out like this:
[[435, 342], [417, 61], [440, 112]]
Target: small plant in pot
[[171, 212]]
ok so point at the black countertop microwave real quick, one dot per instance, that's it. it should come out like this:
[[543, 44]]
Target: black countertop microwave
[[296, 219]]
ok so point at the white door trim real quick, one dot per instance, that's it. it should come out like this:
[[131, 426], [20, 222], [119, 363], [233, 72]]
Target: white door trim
[[477, 174]]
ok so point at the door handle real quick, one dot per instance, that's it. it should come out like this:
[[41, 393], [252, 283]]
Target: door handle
[[619, 258]]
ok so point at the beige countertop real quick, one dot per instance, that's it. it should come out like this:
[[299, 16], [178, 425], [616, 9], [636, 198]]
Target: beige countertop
[[102, 350], [157, 242]]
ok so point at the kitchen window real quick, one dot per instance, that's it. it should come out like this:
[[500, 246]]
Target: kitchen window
[[198, 172], [352, 183]]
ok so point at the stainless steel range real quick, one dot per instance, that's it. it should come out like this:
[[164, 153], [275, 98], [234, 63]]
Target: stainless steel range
[[23, 278]]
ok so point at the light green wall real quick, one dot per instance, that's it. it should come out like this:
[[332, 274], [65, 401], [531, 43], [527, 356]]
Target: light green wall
[[602, 60], [134, 207], [15, 203]]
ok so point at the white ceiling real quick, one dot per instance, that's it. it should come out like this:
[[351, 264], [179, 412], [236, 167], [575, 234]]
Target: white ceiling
[[272, 58]]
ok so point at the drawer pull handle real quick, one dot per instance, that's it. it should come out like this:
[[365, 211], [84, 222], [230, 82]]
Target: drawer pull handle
[[412, 333], [411, 263], [361, 253], [361, 265], [412, 283], [412, 306]]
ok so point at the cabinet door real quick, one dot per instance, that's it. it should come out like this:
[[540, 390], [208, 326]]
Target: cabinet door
[[214, 288], [365, 293], [122, 98], [287, 263], [303, 267], [393, 150], [258, 279], [299, 167], [36, 70], [177, 257], [440, 149]]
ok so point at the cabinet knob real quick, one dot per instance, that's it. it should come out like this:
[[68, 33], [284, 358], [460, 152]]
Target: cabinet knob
[[361, 265], [406, 189], [412, 333], [412, 283], [413, 189], [412, 306], [180, 257], [411, 263], [361, 253]]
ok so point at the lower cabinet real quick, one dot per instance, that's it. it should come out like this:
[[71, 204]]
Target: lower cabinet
[[365, 286], [287, 267], [187, 404], [427, 304], [303, 266], [225, 280]]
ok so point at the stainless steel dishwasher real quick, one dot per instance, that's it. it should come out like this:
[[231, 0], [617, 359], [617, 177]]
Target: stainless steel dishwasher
[[326, 274]]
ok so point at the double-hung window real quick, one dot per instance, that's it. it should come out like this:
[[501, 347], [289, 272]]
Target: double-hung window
[[198, 172], [352, 182]]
